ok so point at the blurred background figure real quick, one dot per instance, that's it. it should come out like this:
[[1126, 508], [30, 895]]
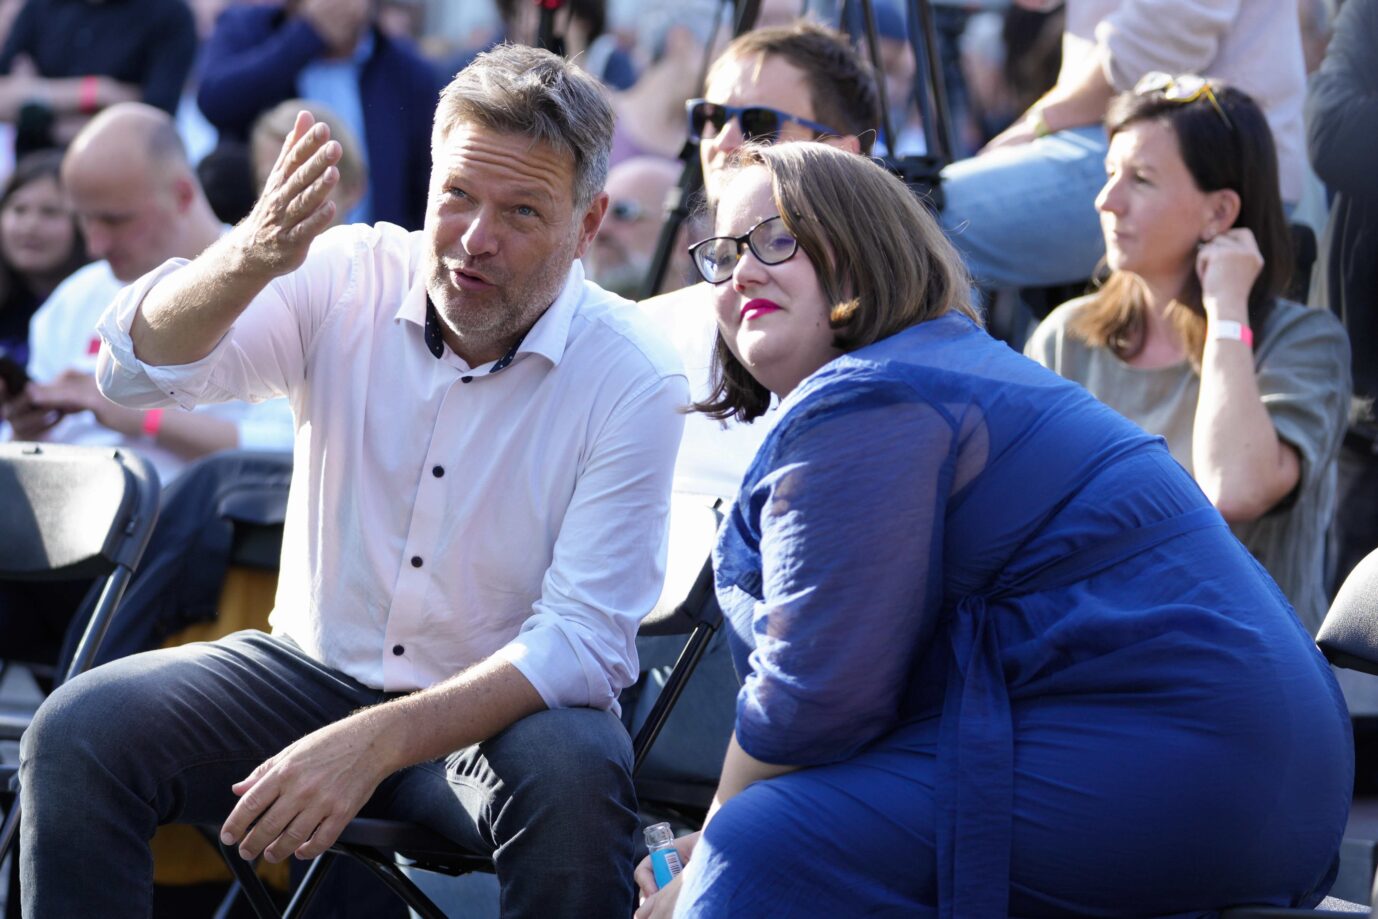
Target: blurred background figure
[[65, 60], [39, 246], [620, 258], [265, 142], [330, 51]]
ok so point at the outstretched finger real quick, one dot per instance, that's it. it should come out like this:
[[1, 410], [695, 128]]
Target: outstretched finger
[[298, 150]]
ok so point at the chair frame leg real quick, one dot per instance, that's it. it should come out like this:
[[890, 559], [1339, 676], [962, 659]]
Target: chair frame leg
[[250, 883], [387, 871]]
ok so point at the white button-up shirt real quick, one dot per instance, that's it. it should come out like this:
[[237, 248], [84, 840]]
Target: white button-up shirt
[[441, 513]]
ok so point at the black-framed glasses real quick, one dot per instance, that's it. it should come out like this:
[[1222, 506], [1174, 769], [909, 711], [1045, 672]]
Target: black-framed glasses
[[770, 241], [1186, 88], [757, 122]]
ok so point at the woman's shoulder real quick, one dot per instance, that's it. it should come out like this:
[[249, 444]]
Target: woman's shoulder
[[1054, 345]]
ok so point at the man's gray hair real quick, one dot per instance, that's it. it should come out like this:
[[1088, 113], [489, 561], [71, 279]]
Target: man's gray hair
[[524, 90]]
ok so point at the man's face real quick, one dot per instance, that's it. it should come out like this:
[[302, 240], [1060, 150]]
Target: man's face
[[621, 255], [758, 80], [502, 231], [127, 217]]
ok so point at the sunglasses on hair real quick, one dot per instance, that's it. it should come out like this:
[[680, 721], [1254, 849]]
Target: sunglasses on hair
[[757, 122], [1183, 89], [770, 241]]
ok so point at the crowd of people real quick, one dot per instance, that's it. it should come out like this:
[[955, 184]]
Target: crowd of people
[[1007, 639]]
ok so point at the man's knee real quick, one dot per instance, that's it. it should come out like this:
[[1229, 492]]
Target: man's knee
[[81, 717], [574, 763]]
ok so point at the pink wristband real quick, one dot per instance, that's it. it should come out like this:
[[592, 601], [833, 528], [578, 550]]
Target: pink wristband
[[88, 102], [1230, 330], [153, 422]]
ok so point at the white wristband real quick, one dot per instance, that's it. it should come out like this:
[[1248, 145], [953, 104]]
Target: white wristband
[[1228, 329]]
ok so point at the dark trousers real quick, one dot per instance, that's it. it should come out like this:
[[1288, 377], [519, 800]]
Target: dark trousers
[[159, 737]]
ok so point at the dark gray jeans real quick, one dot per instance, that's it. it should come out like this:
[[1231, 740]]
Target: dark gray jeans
[[159, 738]]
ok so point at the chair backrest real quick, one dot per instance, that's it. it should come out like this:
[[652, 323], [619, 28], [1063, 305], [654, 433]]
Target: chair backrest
[[73, 512], [1349, 635]]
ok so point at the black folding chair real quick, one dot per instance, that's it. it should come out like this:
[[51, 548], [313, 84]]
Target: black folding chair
[[377, 843], [71, 513]]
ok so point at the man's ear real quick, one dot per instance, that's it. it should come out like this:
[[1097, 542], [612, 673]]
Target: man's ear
[[591, 221], [848, 142], [183, 192]]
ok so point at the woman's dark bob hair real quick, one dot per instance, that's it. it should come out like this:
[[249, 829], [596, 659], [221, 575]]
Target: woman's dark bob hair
[[880, 257]]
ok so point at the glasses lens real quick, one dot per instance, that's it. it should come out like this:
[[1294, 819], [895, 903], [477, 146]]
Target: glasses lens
[[625, 211], [772, 242], [705, 119], [760, 124], [716, 258], [1185, 89]]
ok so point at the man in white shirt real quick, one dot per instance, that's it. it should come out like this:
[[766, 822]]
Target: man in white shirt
[[139, 204], [798, 79], [475, 527]]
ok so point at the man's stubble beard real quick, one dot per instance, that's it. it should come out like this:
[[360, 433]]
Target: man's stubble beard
[[495, 319]]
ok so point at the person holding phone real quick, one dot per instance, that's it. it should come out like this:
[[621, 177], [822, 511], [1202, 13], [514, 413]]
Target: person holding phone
[[1188, 335]]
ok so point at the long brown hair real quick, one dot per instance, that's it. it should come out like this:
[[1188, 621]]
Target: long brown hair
[[1238, 155], [879, 255]]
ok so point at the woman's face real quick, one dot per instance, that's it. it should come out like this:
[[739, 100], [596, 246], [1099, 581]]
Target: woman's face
[[774, 318], [37, 232], [1151, 211]]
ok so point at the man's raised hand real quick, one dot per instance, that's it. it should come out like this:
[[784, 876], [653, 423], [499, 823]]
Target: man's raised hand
[[295, 205]]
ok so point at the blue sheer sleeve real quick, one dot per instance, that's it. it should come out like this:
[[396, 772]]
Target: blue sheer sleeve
[[847, 505]]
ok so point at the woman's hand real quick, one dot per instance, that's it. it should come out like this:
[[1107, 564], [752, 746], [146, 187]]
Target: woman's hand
[[1227, 266], [656, 904]]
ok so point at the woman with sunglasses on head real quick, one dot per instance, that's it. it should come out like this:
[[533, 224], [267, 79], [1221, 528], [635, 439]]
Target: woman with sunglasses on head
[[999, 654], [1188, 337]]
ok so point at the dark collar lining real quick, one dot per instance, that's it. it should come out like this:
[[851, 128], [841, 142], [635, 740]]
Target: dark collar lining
[[436, 342]]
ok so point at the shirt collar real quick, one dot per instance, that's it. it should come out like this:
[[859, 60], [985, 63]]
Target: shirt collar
[[547, 337]]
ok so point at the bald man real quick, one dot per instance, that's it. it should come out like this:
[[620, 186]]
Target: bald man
[[138, 203], [621, 254]]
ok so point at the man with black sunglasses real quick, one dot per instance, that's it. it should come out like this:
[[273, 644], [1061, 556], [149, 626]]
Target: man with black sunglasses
[[800, 82]]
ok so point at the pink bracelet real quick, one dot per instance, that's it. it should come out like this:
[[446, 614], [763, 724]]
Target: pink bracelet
[[1230, 330], [153, 422]]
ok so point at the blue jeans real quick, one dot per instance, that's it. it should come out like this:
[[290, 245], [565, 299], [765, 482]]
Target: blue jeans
[[160, 737], [1026, 216]]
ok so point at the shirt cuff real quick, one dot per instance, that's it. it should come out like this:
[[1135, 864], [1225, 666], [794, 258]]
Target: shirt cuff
[[563, 675], [126, 379]]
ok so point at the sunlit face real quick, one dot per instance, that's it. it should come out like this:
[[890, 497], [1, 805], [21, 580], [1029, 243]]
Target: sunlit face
[[128, 217], [757, 80], [502, 231], [1151, 212], [774, 318], [36, 228]]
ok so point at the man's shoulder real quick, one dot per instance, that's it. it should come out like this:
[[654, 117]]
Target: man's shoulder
[[686, 318], [80, 288], [626, 328]]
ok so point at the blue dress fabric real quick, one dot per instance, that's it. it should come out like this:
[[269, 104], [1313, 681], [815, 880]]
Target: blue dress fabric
[[1025, 665]]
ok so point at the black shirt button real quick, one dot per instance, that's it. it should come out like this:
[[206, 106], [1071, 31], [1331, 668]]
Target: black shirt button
[[466, 379], [398, 650], [437, 471], [416, 561]]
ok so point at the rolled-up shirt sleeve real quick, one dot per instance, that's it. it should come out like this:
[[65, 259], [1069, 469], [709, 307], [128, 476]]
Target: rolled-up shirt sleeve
[[578, 648], [262, 356]]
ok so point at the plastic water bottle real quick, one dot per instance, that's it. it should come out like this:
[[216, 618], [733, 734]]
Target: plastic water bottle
[[660, 840]]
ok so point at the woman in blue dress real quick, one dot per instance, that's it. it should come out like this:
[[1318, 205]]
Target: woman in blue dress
[[1000, 654]]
